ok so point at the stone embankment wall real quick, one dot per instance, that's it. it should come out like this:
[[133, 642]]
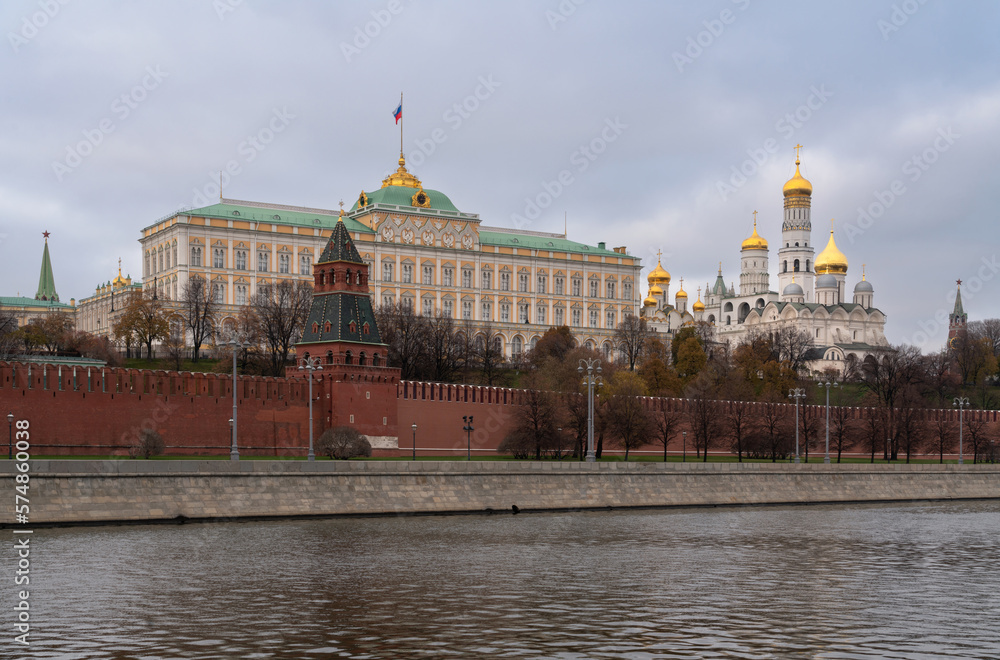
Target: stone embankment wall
[[74, 491]]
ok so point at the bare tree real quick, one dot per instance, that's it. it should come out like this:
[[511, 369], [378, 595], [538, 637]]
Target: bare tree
[[489, 353], [888, 374], [773, 421], [144, 319], [442, 349], [406, 335], [842, 430], [945, 437], [198, 308], [280, 311], [537, 419], [977, 432], [740, 419], [703, 417], [668, 423], [631, 336], [8, 333]]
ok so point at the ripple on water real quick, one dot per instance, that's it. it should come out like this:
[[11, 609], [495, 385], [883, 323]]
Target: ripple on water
[[874, 581]]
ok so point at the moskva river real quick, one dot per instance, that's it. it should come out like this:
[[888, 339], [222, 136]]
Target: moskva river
[[853, 581]]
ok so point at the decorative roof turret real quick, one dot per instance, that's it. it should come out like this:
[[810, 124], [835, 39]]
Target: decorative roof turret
[[46, 282]]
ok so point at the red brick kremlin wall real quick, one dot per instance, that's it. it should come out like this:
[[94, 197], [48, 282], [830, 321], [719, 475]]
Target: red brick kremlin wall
[[99, 411]]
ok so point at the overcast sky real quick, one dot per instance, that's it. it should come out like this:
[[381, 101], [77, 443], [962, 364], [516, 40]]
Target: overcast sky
[[115, 114]]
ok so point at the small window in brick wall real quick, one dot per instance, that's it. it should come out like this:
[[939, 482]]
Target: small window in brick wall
[[365, 328], [327, 327], [315, 328], [353, 327]]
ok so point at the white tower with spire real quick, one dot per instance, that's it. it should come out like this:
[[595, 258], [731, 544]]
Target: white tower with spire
[[795, 256], [754, 278]]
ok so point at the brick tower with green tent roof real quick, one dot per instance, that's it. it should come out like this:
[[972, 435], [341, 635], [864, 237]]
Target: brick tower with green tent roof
[[341, 331]]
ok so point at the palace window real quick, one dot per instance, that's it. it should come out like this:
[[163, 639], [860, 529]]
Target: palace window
[[522, 282], [427, 306], [218, 258], [448, 308], [427, 275], [241, 260], [542, 283], [218, 293], [610, 289], [195, 257], [540, 314], [284, 263], [577, 318], [487, 279], [504, 312], [593, 318], [263, 261], [487, 311], [577, 286], [516, 347], [467, 278], [610, 320], [161, 259], [627, 290], [467, 310], [167, 256], [407, 273], [241, 294], [448, 276], [522, 312], [594, 284], [560, 283], [560, 316], [387, 299], [505, 281], [305, 264], [387, 271]]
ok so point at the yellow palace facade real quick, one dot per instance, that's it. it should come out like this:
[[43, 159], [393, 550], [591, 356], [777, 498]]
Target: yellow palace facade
[[421, 251]]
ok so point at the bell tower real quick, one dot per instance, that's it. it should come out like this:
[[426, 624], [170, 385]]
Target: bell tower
[[795, 256]]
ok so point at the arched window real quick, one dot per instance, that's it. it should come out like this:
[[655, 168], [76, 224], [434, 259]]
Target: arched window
[[375, 360], [362, 358], [348, 358], [315, 327], [795, 265], [516, 346], [784, 267], [807, 265], [329, 357]]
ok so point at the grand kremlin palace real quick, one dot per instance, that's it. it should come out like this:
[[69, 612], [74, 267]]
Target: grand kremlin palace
[[420, 250]]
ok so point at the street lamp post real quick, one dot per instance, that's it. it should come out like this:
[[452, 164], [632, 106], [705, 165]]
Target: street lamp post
[[684, 447], [414, 441], [960, 403], [468, 434], [10, 436], [590, 379], [237, 341], [827, 385], [311, 364], [797, 394]]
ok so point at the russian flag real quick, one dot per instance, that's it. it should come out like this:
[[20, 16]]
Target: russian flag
[[398, 113]]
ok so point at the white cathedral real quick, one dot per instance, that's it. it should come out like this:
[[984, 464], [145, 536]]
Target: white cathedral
[[813, 292]]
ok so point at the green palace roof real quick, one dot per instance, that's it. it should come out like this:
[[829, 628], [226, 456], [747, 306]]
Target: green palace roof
[[403, 196], [540, 242], [21, 301], [300, 217]]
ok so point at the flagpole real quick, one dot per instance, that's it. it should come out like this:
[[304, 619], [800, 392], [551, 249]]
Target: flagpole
[[401, 126]]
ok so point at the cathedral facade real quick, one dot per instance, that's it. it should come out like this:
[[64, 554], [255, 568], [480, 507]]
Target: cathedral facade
[[811, 294]]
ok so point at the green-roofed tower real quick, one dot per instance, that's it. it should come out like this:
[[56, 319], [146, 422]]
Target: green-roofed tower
[[46, 282], [958, 317]]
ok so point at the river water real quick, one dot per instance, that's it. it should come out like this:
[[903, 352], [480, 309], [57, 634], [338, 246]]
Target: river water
[[853, 581]]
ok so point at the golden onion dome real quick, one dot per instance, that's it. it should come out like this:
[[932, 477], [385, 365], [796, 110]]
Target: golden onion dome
[[650, 301], [658, 275], [698, 306], [798, 184], [756, 241], [401, 177], [681, 294], [831, 259], [655, 290]]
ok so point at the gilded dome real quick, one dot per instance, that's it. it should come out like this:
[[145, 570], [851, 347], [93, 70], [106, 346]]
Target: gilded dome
[[755, 242], [659, 275], [655, 290], [650, 301], [698, 306], [831, 259], [681, 294], [798, 184]]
